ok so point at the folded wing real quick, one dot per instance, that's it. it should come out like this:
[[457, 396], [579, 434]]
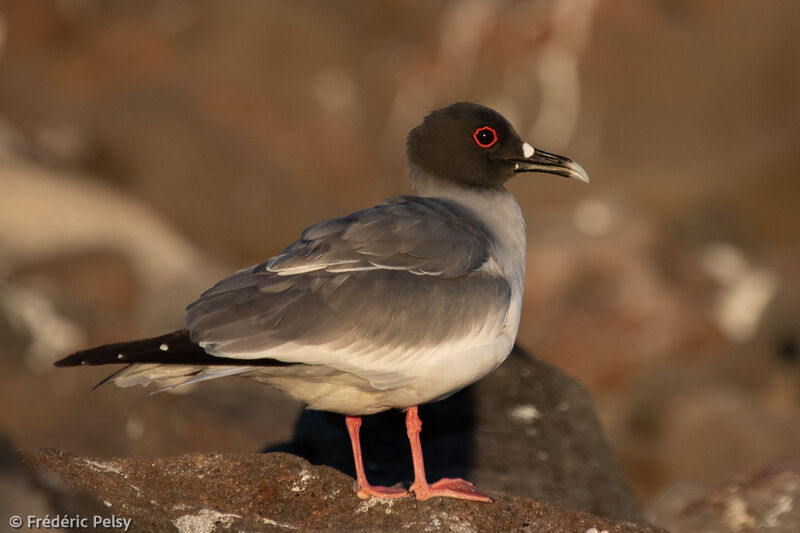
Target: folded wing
[[356, 293]]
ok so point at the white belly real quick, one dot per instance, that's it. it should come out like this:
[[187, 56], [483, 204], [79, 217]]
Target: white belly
[[424, 376]]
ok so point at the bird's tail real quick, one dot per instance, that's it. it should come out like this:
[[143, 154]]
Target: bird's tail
[[171, 359], [174, 348]]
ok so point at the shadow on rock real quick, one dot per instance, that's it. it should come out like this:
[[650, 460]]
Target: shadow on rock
[[447, 437], [526, 429]]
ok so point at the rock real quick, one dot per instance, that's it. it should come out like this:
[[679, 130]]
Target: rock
[[24, 493], [701, 421], [526, 429], [280, 492], [538, 436], [18, 494], [765, 501]]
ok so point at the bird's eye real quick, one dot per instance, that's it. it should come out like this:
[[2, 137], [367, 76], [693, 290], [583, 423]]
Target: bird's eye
[[485, 137]]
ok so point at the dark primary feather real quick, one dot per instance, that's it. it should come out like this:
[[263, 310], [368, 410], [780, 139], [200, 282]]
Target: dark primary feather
[[360, 277], [180, 351]]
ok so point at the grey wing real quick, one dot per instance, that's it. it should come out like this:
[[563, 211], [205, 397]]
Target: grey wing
[[419, 235], [355, 293]]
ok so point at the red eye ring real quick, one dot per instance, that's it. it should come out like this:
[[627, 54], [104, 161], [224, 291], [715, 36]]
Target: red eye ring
[[480, 131]]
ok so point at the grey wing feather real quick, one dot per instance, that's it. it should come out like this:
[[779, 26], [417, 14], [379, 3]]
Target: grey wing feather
[[420, 235], [357, 282]]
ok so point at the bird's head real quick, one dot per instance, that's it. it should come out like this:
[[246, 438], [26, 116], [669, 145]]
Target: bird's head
[[475, 145]]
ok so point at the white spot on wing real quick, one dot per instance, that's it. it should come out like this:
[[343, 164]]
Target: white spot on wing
[[163, 347], [527, 150]]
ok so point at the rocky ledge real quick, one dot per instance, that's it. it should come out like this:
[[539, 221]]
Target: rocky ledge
[[202, 493]]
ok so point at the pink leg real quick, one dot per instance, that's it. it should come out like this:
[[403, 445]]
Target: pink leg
[[451, 488], [362, 487]]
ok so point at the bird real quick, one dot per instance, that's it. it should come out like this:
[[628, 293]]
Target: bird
[[390, 307]]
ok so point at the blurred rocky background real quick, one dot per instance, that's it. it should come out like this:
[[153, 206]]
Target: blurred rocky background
[[147, 148]]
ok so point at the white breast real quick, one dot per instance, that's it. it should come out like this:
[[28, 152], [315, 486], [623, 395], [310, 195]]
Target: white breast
[[499, 212]]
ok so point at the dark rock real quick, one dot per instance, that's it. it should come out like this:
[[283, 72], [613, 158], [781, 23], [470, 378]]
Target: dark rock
[[702, 421], [24, 493], [765, 501], [525, 429], [561, 456], [18, 494], [279, 492]]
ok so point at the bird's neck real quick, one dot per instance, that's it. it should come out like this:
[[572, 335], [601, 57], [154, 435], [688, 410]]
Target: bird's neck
[[494, 207]]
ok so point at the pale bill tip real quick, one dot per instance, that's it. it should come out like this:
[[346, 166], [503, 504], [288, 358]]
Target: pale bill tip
[[579, 172], [527, 150]]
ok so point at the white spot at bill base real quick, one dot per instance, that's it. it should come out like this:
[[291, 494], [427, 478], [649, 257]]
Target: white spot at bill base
[[527, 150], [163, 347]]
